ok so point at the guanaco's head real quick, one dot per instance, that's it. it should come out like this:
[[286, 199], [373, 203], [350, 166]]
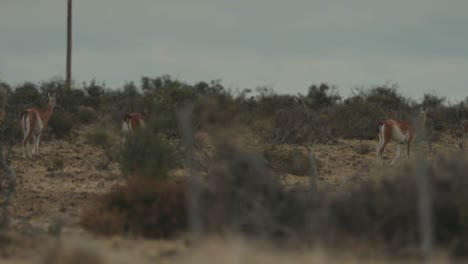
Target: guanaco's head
[[51, 99], [422, 117]]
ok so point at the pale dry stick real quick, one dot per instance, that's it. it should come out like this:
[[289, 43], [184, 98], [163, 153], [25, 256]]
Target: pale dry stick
[[185, 122], [424, 207], [10, 173], [313, 172], [425, 213], [460, 137]]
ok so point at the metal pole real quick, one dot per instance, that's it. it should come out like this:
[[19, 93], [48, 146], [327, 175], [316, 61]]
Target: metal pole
[[69, 44]]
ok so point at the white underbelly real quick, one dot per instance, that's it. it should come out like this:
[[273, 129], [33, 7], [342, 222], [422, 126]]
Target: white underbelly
[[399, 136]]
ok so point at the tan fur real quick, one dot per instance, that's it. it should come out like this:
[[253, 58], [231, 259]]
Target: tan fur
[[403, 133], [131, 122], [33, 123]]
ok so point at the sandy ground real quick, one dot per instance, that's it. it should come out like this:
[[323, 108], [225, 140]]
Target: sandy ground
[[53, 195]]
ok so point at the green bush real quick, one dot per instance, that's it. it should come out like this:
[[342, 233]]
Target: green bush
[[288, 159], [86, 115], [357, 119], [148, 154], [60, 124], [99, 137]]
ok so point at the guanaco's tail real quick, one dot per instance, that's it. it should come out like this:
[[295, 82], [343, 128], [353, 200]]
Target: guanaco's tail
[[23, 113], [379, 126], [126, 117]]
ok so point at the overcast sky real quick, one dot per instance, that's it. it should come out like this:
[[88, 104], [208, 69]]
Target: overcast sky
[[421, 45]]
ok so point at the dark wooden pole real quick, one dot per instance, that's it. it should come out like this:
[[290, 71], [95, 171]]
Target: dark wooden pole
[[69, 43]]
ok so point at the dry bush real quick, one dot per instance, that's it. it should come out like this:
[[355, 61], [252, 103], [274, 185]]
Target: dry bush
[[299, 124], [79, 255], [288, 159], [387, 210], [55, 164], [242, 196], [145, 206], [363, 149]]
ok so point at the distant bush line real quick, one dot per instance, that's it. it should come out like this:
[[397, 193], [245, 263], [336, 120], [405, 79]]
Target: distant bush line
[[319, 115]]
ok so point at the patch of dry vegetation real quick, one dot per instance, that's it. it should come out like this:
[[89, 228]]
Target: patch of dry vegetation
[[144, 206], [244, 146]]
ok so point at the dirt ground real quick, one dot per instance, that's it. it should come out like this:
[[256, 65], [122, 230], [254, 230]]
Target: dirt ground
[[67, 175]]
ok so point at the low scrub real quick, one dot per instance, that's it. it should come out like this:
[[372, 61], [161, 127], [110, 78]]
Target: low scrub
[[99, 137], [242, 196], [86, 115], [388, 210], [148, 154], [60, 124], [288, 159], [145, 206]]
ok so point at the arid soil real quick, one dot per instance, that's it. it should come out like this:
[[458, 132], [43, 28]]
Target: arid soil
[[59, 183]]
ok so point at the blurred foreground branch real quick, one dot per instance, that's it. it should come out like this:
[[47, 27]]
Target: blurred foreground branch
[[313, 172], [10, 175], [185, 122]]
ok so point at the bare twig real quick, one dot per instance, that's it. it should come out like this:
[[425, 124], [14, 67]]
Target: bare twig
[[301, 97]]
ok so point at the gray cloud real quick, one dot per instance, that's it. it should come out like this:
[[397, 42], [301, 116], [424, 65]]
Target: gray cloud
[[418, 44]]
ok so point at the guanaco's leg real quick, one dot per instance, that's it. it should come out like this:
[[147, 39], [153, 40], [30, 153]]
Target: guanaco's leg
[[398, 154]]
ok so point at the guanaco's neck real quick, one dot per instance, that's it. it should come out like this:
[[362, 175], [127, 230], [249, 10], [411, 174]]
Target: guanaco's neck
[[420, 123], [47, 114]]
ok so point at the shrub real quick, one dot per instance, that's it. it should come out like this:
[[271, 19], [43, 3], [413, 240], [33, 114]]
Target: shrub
[[242, 196], [60, 124], [25, 95], [99, 137], [86, 115], [363, 149], [288, 159], [148, 154], [388, 210], [10, 128], [322, 96], [298, 125], [71, 255], [145, 206], [55, 164], [357, 119]]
